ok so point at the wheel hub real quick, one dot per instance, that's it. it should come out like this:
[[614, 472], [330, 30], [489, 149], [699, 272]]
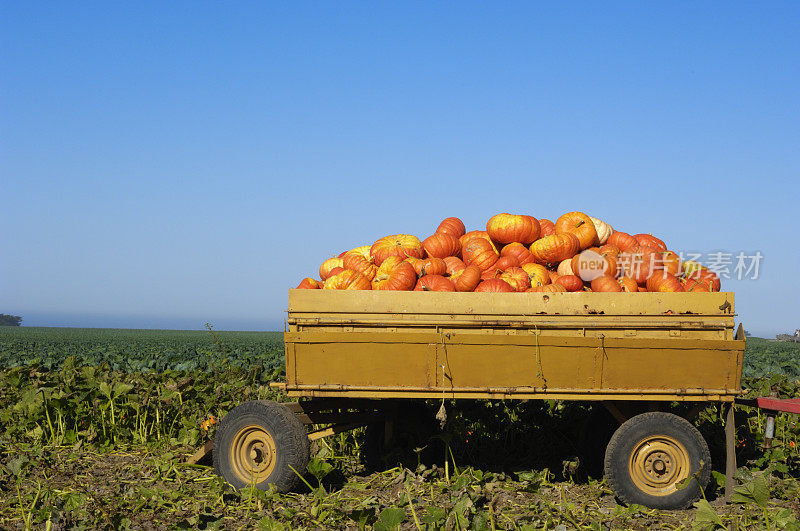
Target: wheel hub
[[253, 454], [658, 464]]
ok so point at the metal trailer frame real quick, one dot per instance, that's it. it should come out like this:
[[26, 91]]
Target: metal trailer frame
[[622, 349], [353, 355]]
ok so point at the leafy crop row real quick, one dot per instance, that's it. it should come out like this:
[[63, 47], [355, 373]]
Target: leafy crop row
[[95, 434], [88, 445], [764, 358], [161, 350], [139, 350]]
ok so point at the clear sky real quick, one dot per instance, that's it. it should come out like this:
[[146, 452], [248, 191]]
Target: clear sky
[[167, 164]]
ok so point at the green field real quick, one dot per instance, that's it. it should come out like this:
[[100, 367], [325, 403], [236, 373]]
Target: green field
[[763, 358], [139, 350], [185, 350], [95, 425]]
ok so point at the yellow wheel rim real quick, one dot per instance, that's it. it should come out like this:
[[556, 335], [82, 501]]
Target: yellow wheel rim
[[657, 464], [253, 454]]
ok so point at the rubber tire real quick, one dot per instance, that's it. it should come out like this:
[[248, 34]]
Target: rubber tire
[[289, 434], [623, 443]]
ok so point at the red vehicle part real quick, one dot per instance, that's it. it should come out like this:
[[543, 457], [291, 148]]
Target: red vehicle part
[[769, 403]]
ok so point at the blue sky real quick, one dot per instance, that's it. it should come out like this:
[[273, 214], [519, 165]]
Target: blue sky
[[170, 164]]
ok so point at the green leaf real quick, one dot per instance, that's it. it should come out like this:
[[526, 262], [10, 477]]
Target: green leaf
[[684, 483], [461, 512], [105, 389], [785, 519], [268, 524], [17, 465], [121, 389], [435, 516], [362, 516], [319, 468], [481, 522], [755, 491], [706, 517], [719, 478], [36, 433], [390, 519]]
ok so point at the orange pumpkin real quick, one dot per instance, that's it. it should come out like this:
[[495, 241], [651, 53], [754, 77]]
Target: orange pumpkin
[[565, 266], [580, 225], [346, 279], [466, 279], [508, 228], [441, 245], [648, 240], [335, 271], [694, 271], [547, 228], [453, 264], [395, 274], [549, 288], [518, 251], [690, 284], [621, 240], [401, 245], [480, 252], [428, 266], [503, 263], [691, 269], [360, 259], [668, 261], [608, 249], [434, 283], [308, 283], [537, 273], [628, 284], [606, 284], [432, 266], [706, 275], [327, 265], [452, 226], [494, 285], [553, 249], [637, 262], [570, 282], [466, 238], [661, 281], [416, 263], [588, 265], [517, 278]]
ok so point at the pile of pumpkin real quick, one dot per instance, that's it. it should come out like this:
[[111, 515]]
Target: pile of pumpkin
[[516, 253]]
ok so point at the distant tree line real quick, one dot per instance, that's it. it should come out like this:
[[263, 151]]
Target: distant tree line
[[10, 320]]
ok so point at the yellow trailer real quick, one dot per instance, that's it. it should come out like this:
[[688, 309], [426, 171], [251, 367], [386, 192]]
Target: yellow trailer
[[353, 354]]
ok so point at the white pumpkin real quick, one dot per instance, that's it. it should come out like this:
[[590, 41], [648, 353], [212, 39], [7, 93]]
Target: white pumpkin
[[565, 267], [603, 229]]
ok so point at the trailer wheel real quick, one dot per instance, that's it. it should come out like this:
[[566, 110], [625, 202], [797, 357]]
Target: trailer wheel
[[650, 455], [259, 443]]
